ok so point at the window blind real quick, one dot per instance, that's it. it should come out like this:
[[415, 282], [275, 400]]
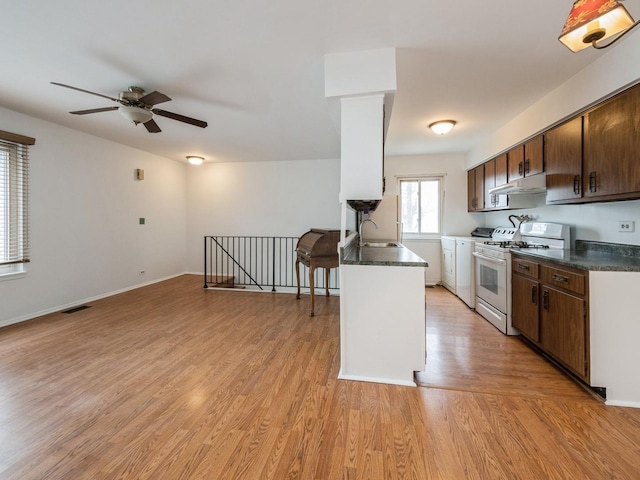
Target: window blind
[[14, 198]]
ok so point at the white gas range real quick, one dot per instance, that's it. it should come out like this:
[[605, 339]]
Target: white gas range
[[493, 266]]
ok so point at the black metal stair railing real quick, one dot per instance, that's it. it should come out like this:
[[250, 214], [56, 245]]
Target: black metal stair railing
[[260, 262]]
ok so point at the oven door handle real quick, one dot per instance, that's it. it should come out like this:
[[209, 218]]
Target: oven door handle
[[499, 261]]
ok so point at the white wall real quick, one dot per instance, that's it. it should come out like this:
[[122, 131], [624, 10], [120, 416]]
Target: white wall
[[456, 220], [590, 221], [616, 68], [284, 198], [85, 203]]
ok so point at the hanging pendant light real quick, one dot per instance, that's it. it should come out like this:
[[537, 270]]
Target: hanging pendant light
[[593, 20]]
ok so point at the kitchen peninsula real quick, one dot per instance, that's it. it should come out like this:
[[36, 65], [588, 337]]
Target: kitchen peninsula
[[382, 313]]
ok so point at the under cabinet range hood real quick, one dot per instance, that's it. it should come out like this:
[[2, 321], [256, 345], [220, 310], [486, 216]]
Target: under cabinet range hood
[[364, 206], [527, 185]]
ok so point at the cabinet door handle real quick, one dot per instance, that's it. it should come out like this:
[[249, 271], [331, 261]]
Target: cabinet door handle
[[519, 168], [576, 184], [560, 278], [534, 294], [592, 182], [526, 166], [522, 266], [545, 300]]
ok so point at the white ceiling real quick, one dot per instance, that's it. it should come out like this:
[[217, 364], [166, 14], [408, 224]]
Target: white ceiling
[[253, 69]]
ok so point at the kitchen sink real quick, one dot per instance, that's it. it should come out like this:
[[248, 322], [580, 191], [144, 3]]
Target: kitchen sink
[[381, 244]]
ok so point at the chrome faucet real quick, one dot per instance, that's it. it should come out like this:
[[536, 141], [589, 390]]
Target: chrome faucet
[[360, 229]]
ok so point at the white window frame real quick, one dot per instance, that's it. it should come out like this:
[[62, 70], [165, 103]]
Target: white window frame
[[417, 178]]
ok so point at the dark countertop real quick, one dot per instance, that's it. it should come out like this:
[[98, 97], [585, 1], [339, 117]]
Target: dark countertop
[[592, 256], [381, 256]]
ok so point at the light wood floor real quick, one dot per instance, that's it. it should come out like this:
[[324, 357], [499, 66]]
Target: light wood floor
[[173, 382]]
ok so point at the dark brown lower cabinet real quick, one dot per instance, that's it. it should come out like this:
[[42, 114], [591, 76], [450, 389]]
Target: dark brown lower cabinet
[[525, 313], [563, 330], [549, 308]]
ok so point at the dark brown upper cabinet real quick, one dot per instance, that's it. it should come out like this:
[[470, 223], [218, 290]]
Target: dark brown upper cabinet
[[611, 162], [515, 160], [593, 157], [501, 170], [475, 189], [526, 159], [495, 174], [563, 162]]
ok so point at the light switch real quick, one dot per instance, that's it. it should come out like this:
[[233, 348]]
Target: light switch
[[141, 220], [139, 174]]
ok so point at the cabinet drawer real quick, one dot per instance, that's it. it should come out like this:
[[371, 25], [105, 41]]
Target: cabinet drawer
[[568, 280], [524, 267]]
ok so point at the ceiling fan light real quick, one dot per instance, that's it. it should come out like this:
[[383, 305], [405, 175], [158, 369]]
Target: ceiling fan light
[[442, 127], [193, 160], [135, 115], [593, 20]]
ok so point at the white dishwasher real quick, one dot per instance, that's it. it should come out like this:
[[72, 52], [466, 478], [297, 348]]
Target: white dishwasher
[[465, 271], [449, 263], [459, 272]]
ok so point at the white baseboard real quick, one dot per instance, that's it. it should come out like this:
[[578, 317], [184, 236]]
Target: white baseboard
[[390, 381], [622, 403]]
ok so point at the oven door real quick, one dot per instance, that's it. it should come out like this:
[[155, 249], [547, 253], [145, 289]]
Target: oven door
[[491, 280]]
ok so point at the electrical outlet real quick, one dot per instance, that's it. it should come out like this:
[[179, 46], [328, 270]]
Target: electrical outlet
[[142, 272], [626, 226]]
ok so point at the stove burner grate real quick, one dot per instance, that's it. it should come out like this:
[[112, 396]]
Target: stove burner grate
[[516, 244]]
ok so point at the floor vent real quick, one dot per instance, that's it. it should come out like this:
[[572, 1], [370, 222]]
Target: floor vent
[[76, 309]]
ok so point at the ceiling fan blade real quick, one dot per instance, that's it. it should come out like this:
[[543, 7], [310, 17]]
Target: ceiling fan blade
[[85, 91], [154, 98], [152, 126], [180, 118], [94, 110]]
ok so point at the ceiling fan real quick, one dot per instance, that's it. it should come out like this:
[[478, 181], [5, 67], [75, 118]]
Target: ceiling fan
[[137, 107]]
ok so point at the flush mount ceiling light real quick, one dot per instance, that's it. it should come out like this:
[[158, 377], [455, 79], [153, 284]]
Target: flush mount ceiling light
[[593, 20], [193, 160], [442, 127], [135, 115]]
